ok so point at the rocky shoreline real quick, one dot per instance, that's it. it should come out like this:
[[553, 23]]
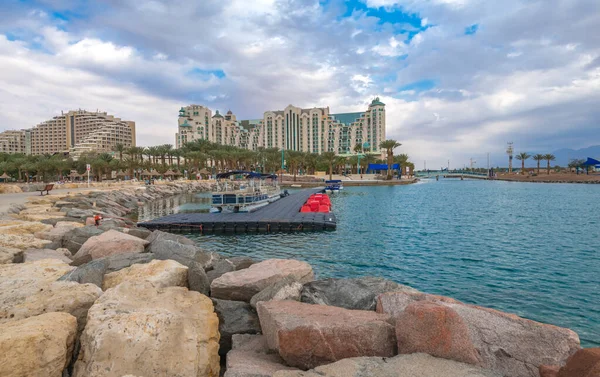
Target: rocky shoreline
[[117, 300]]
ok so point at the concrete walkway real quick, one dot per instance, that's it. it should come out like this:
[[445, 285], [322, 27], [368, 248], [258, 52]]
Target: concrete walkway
[[6, 200]]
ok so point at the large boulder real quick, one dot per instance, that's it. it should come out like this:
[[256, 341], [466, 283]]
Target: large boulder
[[10, 255], [164, 273], [110, 243], [76, 238], [39, 346], [224, 266], [32, 255], [182, 253], [235, 317], [243, 284], [93, 272], [428, 327], [286, 289], [140, 329], [506, 343], [21, 241], [250, 357], [197, 278], [415, 365], [158, 235], [57, 233], [584, 363], [359, 293], [307, 336]]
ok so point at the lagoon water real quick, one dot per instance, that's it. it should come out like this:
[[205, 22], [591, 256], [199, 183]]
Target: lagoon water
[[528, 249]]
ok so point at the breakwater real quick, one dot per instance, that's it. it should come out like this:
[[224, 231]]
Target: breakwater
[[119, 300]]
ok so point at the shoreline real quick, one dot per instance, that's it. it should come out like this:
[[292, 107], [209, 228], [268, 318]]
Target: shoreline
[[238, 299]]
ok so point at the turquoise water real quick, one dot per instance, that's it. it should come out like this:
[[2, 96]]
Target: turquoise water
[[528, 249]]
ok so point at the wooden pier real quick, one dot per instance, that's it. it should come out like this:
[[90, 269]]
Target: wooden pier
[[281, 216]]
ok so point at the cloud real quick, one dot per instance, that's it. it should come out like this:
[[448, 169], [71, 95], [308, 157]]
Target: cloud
[[530, 74]]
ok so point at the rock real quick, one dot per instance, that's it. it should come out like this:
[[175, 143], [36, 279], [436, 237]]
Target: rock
[[437, 330], [10, 189], [253, 364], [224, 266], [243, 284], [31, 255], [113, 223], [165, 273], [57, 220], [75, 239], [415, 365], [90, 221], [157, 235], [235, 317], [584, 363], [197, 279], [360, 293], [79, 213], [93, 272], [137, 328], [23, 227], [21, 242], [182, 253], [110, 243], [308, 335], [39, 346], [286, 289], [57, 233], [142, 233], [549, 370], [506, 343], [249, 342], [10, 255]]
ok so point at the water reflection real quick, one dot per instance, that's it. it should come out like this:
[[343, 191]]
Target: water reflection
[[198, 202]]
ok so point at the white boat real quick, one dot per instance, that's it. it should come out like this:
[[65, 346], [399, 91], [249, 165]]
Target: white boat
[[333, 186], [255, 191]]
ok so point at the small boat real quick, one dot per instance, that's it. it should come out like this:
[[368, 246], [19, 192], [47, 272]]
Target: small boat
[[333, 186], [255, 191]]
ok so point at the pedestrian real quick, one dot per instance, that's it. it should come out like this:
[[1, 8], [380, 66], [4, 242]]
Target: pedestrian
[[97, 219]]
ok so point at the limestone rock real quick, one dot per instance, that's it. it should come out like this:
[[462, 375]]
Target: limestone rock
[[182, 253], [243, 284], [158, 235], [165, 273], [23, 227], [415, 365], [235, 317], [286, 289], [76, 238], [437, 330], [359, 293], [506, 343], [21, 242], [10, 255], [31, 255], [38, 346], [110, 243], [250, 342], [549, 370], [584, 363], [142, 233], [10, 189], [197, 279], [253, 364], [224, 266], [137, 328], [308, 335], [93, 272], [57, 233]]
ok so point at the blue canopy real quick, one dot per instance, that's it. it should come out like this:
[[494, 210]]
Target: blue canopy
[[591, 161], [382, 166], [246, 174]]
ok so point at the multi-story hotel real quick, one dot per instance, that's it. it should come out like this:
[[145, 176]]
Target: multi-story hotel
[[313, 130], [74, 132]]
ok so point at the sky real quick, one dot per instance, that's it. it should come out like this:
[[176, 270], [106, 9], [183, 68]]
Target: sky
[[460, 78]]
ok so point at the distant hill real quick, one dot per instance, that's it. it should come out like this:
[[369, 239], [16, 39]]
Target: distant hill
[[564, 155]]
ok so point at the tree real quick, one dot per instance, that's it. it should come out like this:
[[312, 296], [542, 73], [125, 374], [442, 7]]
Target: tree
[[389, 146], [119, 148], [523, 156], [549, 157], [329, 158], [539, 157]]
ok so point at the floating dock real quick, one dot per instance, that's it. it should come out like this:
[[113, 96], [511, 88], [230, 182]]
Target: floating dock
[[281, 216]]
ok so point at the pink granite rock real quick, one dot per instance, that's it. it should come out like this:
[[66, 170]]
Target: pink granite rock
[[506, 343], [307, 335], [110, 243], [437, 330], [243, 284]]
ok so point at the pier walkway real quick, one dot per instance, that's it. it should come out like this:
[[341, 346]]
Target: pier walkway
[[281, 216]]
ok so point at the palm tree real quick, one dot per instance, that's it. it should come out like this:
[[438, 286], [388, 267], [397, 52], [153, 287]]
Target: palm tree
[[120, 148], [358, 148], [539, 157], [389, 146], [549, 157], [329, 158], [523, 156]]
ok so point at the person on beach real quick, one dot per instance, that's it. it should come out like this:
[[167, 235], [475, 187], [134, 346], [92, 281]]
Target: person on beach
[[97, 219]]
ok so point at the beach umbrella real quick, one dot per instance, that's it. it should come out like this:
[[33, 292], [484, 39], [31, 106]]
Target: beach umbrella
[[74, 174], [154, 173], [146, 172], [4, 177], [169, 172], [204, 171], [121, 174]]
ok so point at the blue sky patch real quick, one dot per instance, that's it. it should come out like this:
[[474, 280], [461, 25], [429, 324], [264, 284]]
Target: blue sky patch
[[207, 72], [470, 30], [418, 86]]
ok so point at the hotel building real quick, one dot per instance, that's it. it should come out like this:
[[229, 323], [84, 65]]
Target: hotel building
[[75, 132], [314, 130]]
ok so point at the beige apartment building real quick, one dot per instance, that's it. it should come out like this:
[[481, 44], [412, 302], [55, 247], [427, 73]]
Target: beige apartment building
[[75, 132], [313, 130], [12, 141]]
